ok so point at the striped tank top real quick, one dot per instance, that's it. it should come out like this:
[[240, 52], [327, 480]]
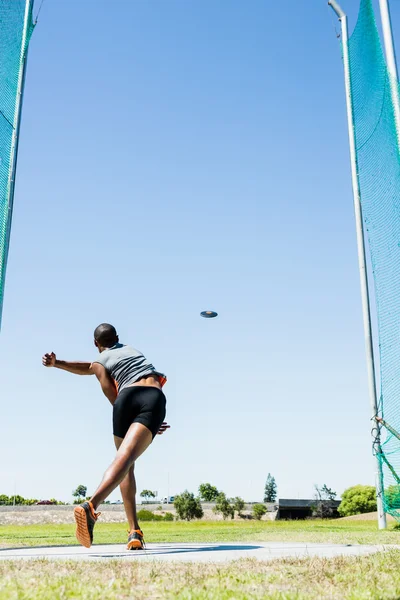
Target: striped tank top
[[127, 365]]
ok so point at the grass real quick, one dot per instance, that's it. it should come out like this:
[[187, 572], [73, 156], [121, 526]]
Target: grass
[[371, 577], [336, 531]]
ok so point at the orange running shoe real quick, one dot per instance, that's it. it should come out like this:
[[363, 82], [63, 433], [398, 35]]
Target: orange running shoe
[[135, 540], [85, 518]]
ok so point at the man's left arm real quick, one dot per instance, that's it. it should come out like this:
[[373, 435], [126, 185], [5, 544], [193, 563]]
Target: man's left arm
[[107, 383]]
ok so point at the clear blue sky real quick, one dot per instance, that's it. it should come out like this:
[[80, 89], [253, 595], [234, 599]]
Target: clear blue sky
[[179, 156]]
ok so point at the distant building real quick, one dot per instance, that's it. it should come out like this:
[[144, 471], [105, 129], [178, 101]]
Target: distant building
[[302, 509]]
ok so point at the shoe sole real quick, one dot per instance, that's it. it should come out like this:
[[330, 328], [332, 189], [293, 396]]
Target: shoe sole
[[134, 545], [82, 532]]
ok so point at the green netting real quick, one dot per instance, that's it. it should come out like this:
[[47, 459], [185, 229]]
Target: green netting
[[14, 40], [379, 177]]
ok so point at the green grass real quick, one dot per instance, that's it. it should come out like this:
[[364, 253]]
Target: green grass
[[370, 577], [336, 531], [365, 578]]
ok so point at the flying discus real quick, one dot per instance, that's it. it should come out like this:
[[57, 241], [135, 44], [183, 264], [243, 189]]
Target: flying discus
[[209, 314]]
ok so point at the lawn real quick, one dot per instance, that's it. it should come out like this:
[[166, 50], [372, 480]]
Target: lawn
[[336, 531], [370, 577]]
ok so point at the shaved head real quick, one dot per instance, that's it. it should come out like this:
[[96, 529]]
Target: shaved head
[[106, 335]]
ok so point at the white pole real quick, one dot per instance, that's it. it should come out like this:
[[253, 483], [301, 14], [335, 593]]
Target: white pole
[[391, 62], [362, 263]]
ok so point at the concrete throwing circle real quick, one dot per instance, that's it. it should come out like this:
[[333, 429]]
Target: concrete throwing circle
[[221, 552]]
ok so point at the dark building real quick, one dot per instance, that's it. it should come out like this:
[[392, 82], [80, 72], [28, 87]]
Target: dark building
[[303, 509]]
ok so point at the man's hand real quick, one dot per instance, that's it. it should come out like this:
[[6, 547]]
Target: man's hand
[[49, 359], [163, 428], [78, 368]]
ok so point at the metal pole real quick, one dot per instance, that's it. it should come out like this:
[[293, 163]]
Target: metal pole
[[362, 261], [391, 62], [17, 122]]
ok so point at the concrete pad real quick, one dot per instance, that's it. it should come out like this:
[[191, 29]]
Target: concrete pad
[[221, 552]]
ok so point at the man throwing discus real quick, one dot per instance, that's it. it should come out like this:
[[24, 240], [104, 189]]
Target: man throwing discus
[[134, 388]]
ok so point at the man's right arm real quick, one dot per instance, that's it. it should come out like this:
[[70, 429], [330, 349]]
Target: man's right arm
[[78, 368]]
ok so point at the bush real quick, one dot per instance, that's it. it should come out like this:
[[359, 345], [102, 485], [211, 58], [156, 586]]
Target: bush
[[238, 504], [259, 511], [188, 507], [32, 501], [148, 515], [357, 500], [224, 506]]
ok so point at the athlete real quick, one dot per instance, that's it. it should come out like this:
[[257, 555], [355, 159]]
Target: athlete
[[133, 386]]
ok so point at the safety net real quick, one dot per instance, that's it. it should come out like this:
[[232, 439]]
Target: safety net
[[16, 26], [378, 165]]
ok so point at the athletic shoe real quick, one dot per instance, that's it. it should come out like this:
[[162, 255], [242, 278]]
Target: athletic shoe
[[135, 540], [85, 518]]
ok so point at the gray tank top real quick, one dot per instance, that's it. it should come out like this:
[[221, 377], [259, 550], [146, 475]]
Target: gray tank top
[[127, 365]]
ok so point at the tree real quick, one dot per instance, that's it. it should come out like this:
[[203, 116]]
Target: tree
[[208, 492], [188, 507], [358, 499], [323, 508], [224, 506], [238, 504], [270, 490], [147, 494], [16, 500], [80, 493], [259, 510]]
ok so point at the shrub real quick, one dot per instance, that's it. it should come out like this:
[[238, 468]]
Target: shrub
[[238, 504], [259, 511], [31, 501], [224, 506], [168, 516], [358, 499], [148, 515], [188, 507]]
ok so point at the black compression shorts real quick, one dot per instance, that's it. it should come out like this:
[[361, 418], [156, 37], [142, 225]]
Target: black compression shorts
[[138, 404]]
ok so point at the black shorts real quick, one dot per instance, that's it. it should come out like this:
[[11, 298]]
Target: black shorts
[[138, 404]]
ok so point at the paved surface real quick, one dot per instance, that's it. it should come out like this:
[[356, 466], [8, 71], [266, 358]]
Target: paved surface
[[194, 552]]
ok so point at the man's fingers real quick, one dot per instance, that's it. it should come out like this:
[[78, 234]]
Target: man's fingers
[[48, 359], [163, 428]]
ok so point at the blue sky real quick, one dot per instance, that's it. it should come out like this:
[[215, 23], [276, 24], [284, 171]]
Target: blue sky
[[178, 156]]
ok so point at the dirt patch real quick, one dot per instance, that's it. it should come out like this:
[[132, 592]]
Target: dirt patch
[[372, 516]]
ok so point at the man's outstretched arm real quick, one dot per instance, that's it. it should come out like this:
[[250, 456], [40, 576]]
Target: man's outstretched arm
[[78, 368]]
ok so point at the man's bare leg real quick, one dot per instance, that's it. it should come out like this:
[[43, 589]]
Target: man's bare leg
[[136, 441], [128, 492]]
